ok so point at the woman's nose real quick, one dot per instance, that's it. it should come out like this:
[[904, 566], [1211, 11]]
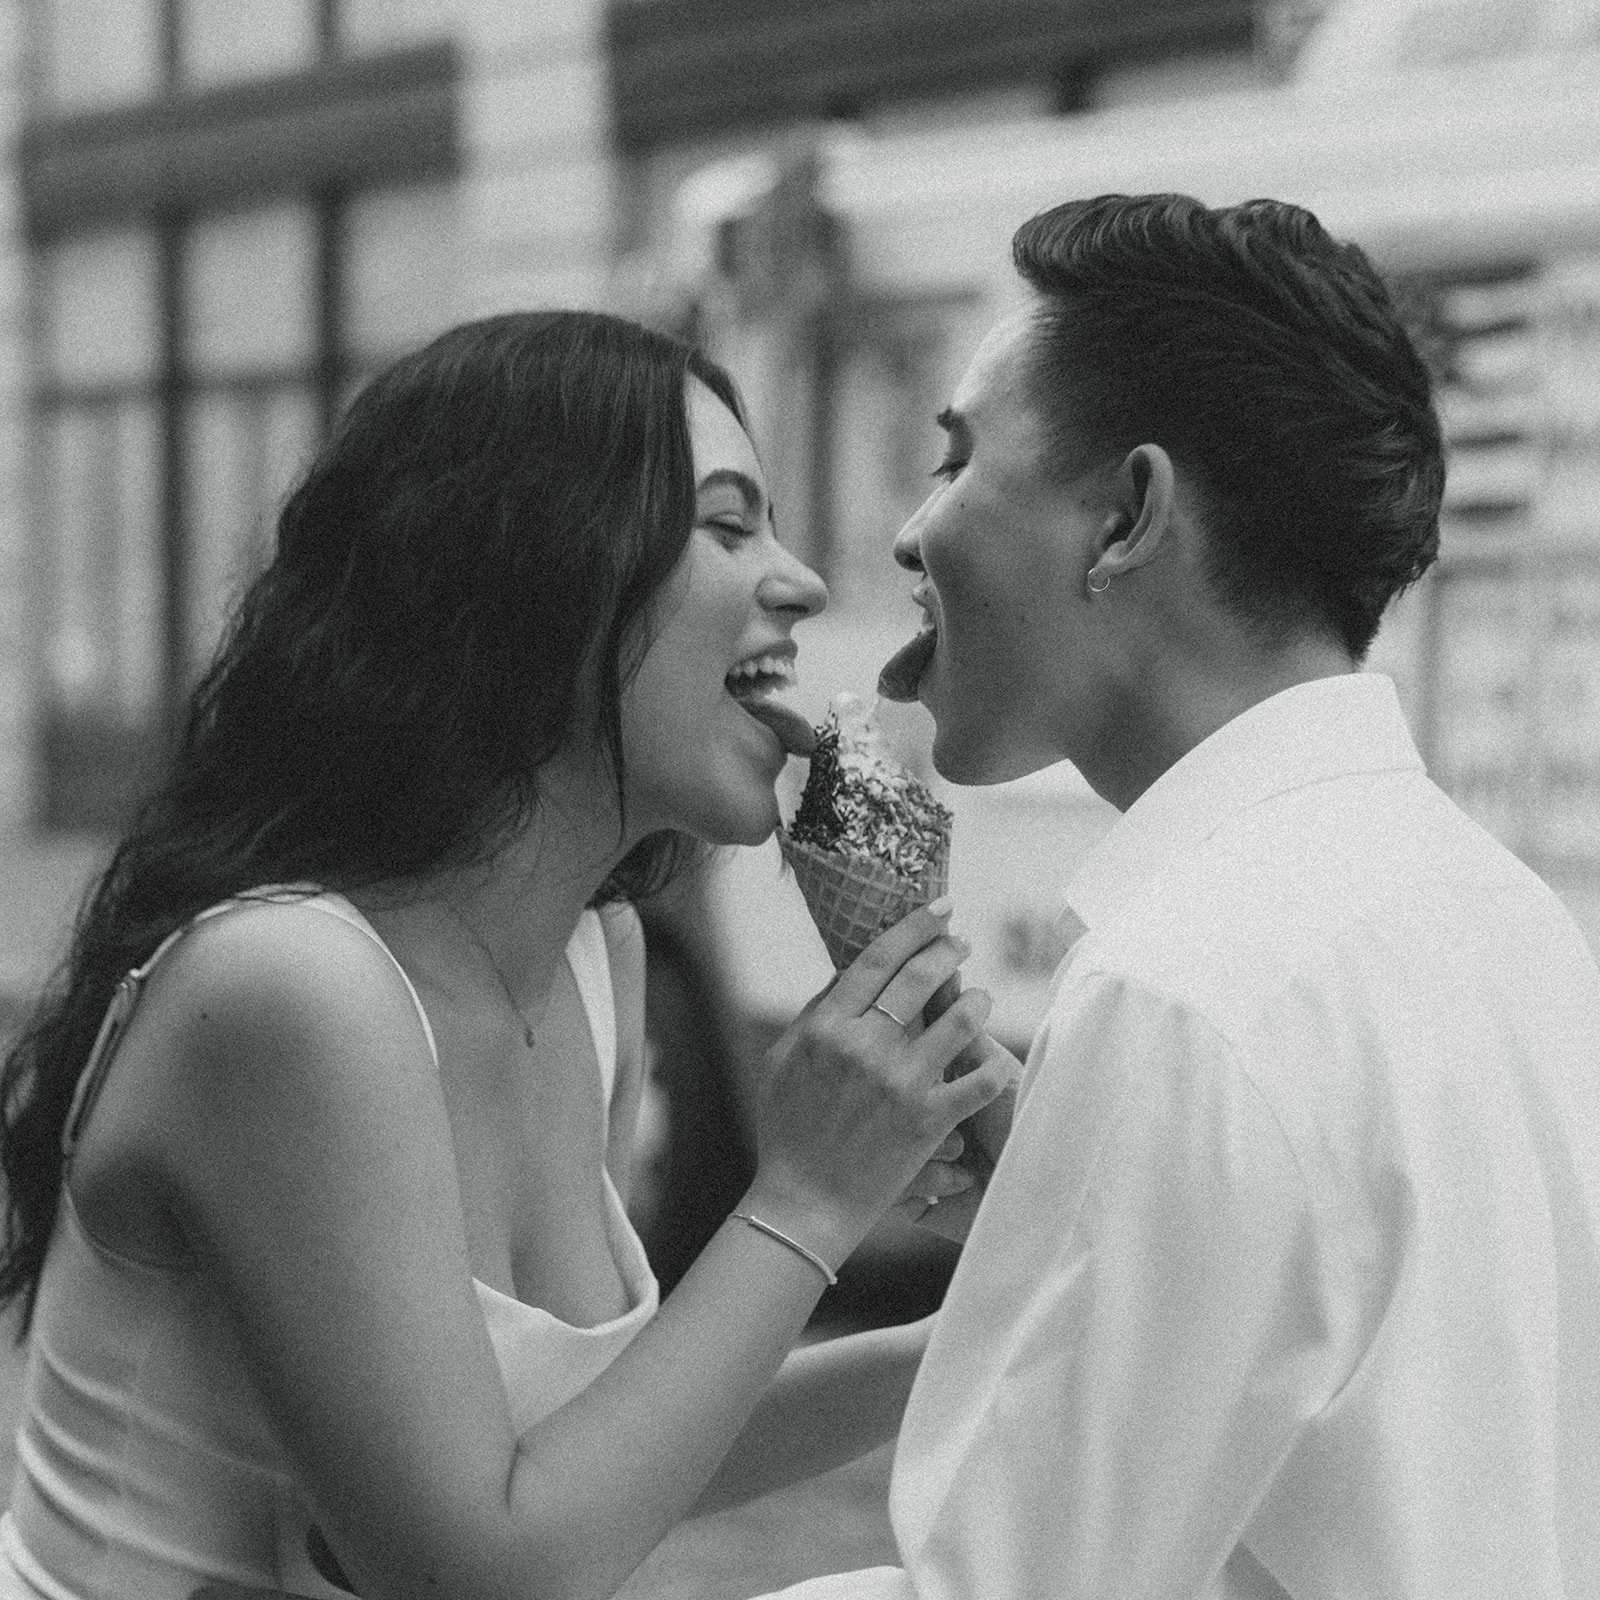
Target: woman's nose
[[793, 586]]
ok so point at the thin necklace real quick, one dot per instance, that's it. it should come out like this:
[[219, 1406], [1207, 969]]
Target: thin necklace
[[494, 967]]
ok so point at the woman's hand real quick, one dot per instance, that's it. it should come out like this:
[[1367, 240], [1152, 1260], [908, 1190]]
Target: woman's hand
[[856, 1102]]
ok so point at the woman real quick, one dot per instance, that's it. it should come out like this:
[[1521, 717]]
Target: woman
[[329, 1276]]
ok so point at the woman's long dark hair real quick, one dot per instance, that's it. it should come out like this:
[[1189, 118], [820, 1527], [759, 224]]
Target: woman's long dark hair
[[462, 582]]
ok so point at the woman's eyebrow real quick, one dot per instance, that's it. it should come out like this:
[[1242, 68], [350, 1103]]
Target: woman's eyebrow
[[728, 477]]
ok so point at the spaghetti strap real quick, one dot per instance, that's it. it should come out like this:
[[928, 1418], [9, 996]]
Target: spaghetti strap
[[126, 994], [590, 963]]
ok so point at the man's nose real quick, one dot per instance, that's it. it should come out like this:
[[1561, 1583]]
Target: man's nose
[[908, 545]]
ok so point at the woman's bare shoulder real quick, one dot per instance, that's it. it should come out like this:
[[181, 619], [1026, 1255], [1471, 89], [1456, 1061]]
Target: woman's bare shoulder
[[282, 964], [272, 1004], [274, 1040]]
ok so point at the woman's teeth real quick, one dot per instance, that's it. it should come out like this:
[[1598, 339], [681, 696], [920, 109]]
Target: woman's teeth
[[760, 675], [756, 685]]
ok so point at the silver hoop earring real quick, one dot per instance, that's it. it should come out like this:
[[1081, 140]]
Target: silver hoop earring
[[1102, 585]]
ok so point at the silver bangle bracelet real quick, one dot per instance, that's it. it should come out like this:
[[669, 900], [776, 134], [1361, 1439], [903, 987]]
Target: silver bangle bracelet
[[794, 1244]]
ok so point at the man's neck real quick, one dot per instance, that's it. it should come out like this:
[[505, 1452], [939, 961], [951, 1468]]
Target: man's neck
[[1180, 704]]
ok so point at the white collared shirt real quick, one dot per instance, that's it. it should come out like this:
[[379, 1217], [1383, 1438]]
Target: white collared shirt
[[1288, 1281]]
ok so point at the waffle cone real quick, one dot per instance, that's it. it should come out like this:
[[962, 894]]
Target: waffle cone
[[852, 899]]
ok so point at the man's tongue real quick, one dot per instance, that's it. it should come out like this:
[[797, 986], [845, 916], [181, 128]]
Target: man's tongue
[[903, 670]]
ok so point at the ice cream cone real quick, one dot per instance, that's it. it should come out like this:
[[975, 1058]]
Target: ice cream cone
[[853, 898]]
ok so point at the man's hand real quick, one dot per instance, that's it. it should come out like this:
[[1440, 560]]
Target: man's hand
[[955, 1179]]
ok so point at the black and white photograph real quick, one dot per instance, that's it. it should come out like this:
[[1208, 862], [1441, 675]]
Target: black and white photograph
[[800, 799]]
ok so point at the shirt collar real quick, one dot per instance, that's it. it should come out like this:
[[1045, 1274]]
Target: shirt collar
[[1327, 728]]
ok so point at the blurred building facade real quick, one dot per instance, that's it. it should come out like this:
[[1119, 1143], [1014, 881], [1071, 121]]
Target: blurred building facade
[[230, 215], [219, 218]]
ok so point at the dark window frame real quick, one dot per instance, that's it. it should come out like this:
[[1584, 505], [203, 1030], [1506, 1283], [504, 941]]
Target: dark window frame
[[696, 69]]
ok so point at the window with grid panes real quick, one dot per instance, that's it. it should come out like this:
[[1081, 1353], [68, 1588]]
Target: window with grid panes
[[194, 345], [98, 494]]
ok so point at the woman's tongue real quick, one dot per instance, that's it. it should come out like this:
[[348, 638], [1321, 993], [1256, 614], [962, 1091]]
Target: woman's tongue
[[903, 670], [795, 734]]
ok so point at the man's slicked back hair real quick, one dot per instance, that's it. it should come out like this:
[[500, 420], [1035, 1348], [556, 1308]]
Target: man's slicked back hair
[[1268, 360]]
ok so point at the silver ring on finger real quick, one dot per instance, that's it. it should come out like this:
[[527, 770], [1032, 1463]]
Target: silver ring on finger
[[899, 1022]]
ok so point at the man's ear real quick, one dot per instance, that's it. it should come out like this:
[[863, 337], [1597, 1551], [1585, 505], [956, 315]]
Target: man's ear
[[1143, 490]]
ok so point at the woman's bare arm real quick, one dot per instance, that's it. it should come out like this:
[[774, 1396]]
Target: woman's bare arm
[[831, 1402]]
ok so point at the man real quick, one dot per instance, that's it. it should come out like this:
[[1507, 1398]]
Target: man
[[1287, 1282]]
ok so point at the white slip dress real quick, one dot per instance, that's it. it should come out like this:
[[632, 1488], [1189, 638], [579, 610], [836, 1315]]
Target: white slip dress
[[145, 1463]]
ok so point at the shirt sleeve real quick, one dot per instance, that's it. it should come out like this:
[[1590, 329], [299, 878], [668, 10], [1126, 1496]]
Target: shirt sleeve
[[1137, 1331]]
